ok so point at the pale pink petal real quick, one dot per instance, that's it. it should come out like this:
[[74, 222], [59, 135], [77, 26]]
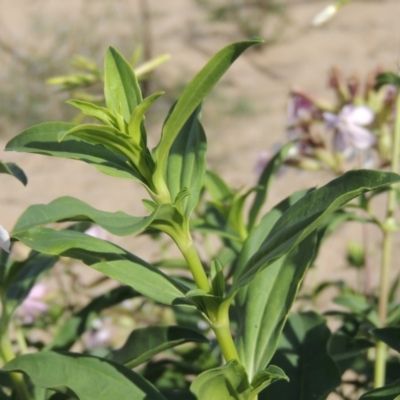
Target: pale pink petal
[[4, 240], [330, 119], [361, 138], [360, 115], [340, 141], [98, 232]]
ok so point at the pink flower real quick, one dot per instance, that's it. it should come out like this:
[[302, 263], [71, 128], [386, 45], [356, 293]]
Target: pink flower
[[299, 108], [98, 232], [348, 127], [33, 305], [4, 240]]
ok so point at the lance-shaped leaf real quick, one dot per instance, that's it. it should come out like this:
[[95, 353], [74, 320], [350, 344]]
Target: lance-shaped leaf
[[92, 110], [117, 142], [389, 335], [387, 392], [121, 88], [186, 164], [303, 355], [143, 344], [306, 215], [78, 372], [107, 258], [43, 139], [71, 209], [272, 294], [13, 169], [229, 382], [265, 378], [79, 322], [135, 126], [21, 276], [193, 95], [265, 181]]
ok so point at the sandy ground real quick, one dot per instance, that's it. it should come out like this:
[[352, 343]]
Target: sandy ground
[[366, 34]]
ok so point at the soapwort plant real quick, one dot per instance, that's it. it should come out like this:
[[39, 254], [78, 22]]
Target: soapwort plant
[[243, 293]]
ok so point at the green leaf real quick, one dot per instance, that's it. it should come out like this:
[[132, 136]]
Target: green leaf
[[272, 294], [121, 88], [193, 95], [13, 169], [186, 164], [43, 139], [143, 344], [265, 378], [359, 305], [265, 181], [229, 382], [22, 276], [384, 393], [94, 111], [79, 322], [308, 214], [107, 258], [136, 120], [303, 355], [75, 372], [389, 335], [217, 187], [71, 209]]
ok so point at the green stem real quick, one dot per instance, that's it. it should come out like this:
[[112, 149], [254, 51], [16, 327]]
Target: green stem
[[7, 354], [221, 328], [196, 267], [387, 228], [218, 317]]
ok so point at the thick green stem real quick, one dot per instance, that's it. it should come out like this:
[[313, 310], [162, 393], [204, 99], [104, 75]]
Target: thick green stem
[[7, 355], [387, 227], [196, 267], [218, 316], [221, 328]]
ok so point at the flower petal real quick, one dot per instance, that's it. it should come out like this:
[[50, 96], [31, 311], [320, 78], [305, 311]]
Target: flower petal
[[331, 120], [361, 138], [340, 141], [4, 240], [360, 115]]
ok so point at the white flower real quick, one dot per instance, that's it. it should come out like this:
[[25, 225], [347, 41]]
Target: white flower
[[348, 132], [4, 240]]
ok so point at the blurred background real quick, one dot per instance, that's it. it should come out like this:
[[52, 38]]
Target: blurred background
[[243, 116]]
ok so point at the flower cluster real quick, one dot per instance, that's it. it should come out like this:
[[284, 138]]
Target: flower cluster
[[330, 136]]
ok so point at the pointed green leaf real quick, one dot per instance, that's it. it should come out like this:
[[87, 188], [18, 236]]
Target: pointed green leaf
[[384, 393], [389, 335], [108, 136], [265, 378], [43, 139], [217, 187], [272, 294], [13, 169], [71, 209], [136, 120], [79, 322], [107, 258], [303, 355], [121, 88], [21, 277], [310, 212], [94, 111], [75, 372], [265, 181], [193, 95], [229, 382], [143, 344], [186, 164]]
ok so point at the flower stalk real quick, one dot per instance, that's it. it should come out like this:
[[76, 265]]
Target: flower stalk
[[388, 227]]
